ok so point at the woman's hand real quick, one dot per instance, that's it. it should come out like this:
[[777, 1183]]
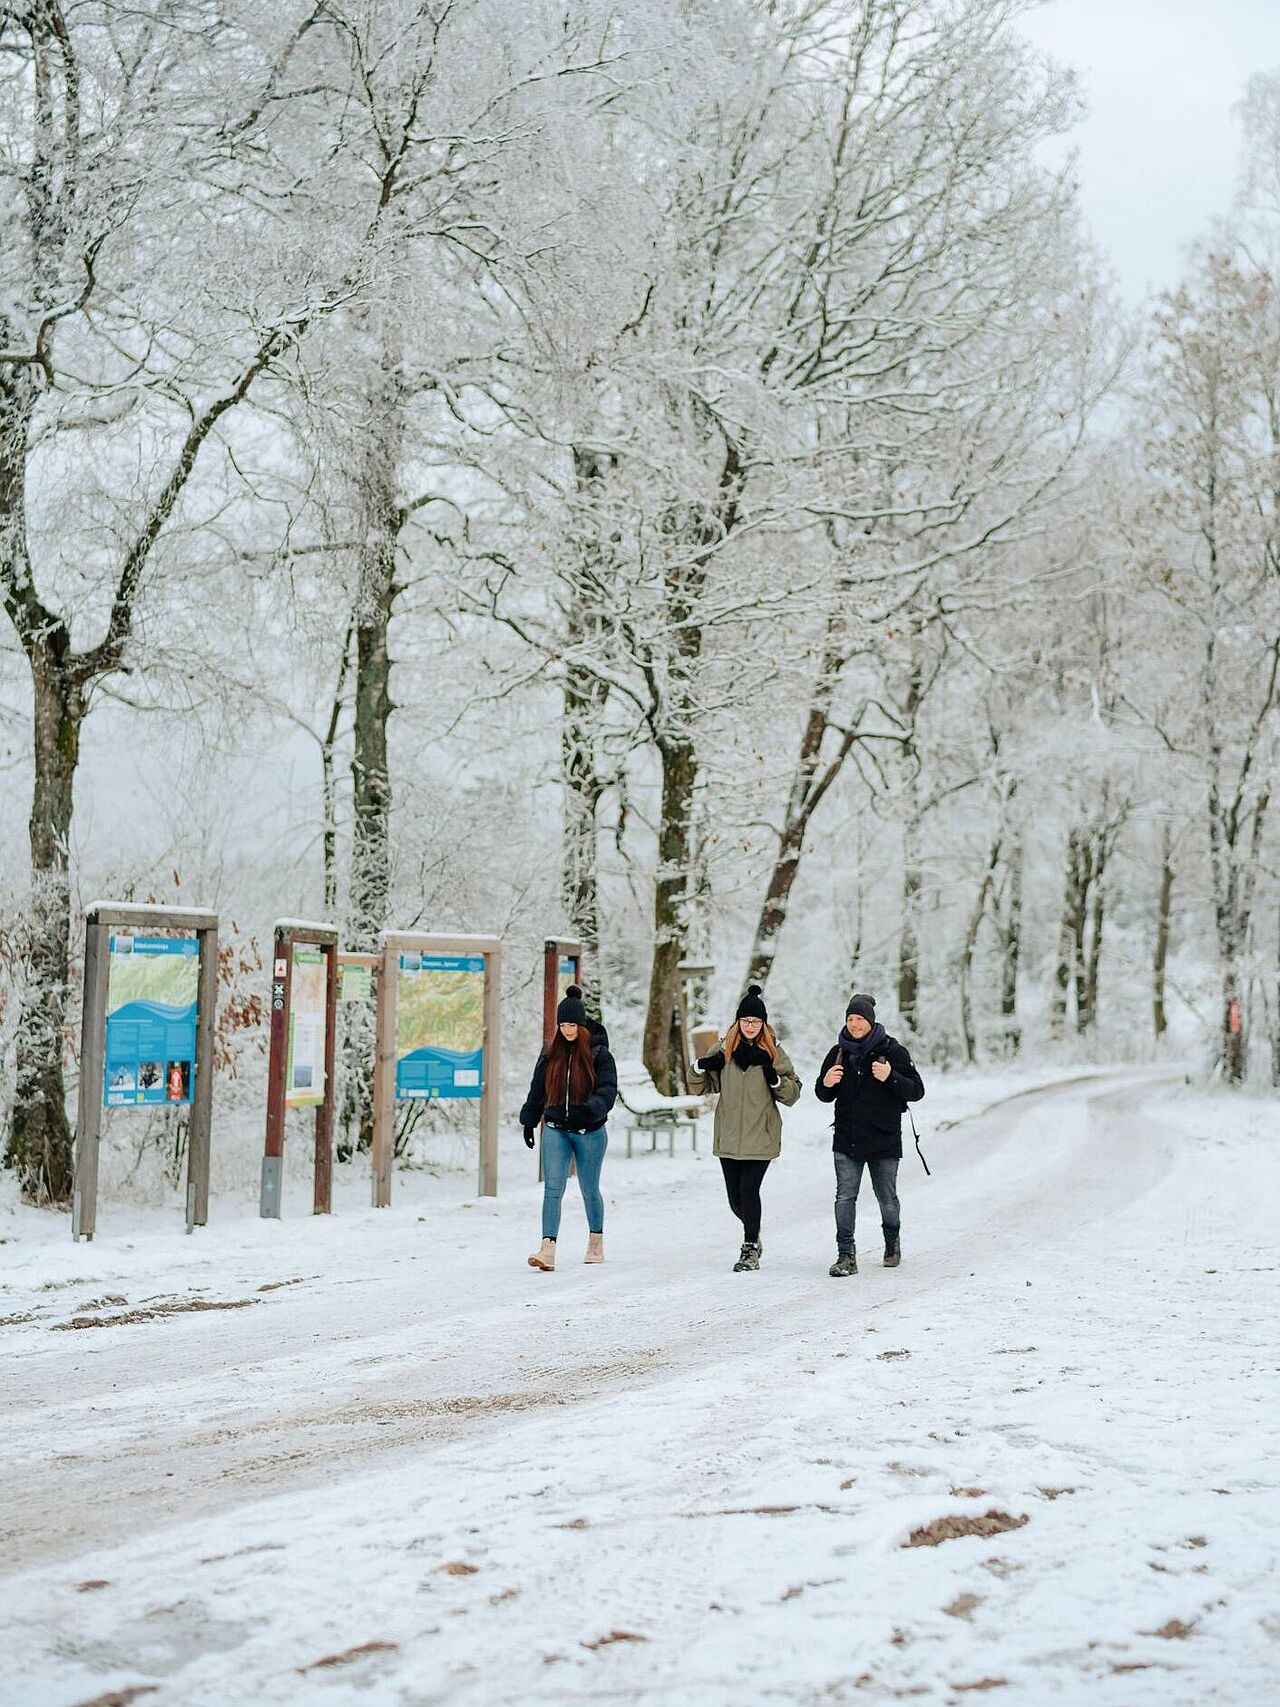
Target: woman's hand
[[833, 1075], [881, 1070], [530, 1137]]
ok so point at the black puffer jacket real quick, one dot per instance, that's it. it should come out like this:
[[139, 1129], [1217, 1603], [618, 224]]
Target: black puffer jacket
[[868, 1113], [584, 1116]]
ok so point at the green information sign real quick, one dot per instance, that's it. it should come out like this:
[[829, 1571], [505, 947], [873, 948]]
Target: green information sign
[[355, 984]]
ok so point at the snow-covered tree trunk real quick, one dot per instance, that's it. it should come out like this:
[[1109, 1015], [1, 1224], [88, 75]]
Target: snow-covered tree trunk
[[965, 981], [811, 779], [912, 832], [1011, 951], [1160, 949], [328, 780], [1089, 947], [39, 1143], [583, 786], [1066, 968], [670, 901], [584, 701], [382, 517]]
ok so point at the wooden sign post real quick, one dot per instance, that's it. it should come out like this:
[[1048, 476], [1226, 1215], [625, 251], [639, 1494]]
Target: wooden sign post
[[413, 1062], [698, 977], [144, 1052], [561, 967], [300, 1069]]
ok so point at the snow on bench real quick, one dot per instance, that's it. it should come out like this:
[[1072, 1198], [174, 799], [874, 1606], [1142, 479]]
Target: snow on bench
[[650, 1111]]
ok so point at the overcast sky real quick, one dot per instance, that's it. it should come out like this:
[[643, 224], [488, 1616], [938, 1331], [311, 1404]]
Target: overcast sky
[[1158, 151]]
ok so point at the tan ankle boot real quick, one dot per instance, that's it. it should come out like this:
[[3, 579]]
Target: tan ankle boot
[[595, 1248], [544, 1257]]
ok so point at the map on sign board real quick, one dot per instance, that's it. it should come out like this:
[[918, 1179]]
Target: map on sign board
[[304, 1080], [151, 1020], [567, 974], [439, 1026]]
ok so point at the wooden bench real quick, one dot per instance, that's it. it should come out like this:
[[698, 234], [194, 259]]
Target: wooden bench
[[649, 1111]]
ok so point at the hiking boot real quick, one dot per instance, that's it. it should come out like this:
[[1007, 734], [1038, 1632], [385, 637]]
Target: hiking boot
[[750, 1258], [892, 1252], [544, 1257], [845, 1263], [595, 1248]]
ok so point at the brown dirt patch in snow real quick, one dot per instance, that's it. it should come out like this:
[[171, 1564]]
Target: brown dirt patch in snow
[[1176, 1630], [614, 1636], [942, 1529], [14, 1321], [93, 1583], [347, 1655], [459, 1568], [121, 1697], [463, 1405], [275, 1285], [967, 1493], [963, 1605], [981, 1683], [174, 1307], [1054, 1493]]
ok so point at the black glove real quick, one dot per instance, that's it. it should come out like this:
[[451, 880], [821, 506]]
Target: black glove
[[759, 1057], [770, 1074], [530, 1136], [711, 1063]]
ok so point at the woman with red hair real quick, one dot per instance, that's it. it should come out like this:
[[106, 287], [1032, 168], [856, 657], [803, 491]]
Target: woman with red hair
[[574, 1085]]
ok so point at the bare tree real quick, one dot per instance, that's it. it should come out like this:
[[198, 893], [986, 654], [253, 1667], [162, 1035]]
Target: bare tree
[[92, 336]]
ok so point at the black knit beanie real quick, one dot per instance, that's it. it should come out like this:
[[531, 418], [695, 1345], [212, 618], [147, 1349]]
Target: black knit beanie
[[571, 1010], [752, 1004], [864, 1005]]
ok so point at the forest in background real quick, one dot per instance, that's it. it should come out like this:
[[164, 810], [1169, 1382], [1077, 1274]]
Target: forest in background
[[679, 476]]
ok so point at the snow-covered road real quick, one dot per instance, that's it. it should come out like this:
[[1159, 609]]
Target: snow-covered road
[[399, 1466]]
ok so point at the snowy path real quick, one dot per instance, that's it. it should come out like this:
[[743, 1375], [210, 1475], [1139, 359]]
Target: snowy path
[[659, 1481]]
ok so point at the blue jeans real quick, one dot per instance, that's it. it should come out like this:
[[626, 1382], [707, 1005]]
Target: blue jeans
[[587, 1150], [884, 1182]]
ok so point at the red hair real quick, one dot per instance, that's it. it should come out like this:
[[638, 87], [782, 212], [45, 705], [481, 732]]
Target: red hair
[[571, 1066]]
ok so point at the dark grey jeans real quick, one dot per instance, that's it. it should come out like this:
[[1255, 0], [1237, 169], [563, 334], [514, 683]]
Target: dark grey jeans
[[884, 1182]]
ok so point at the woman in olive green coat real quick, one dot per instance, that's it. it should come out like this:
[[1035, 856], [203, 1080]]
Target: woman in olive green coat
[[751, 1071]]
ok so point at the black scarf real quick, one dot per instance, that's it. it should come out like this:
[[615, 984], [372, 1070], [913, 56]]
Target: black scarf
[[856, 1053]]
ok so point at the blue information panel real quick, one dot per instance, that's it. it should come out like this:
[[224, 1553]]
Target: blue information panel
[[152, 986], [439, 1026]]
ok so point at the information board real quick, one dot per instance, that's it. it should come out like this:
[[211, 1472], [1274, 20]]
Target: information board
[[355, 984], [566, 974], [304, 1077], [151, 1020], [439, 1026]]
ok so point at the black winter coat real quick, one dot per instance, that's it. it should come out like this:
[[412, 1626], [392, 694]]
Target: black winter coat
[[575, 1116], [868, 1113]]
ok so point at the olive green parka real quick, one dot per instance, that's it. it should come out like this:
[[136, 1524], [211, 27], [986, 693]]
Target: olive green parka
[[748, 1123]]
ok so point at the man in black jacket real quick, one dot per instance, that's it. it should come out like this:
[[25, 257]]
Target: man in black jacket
[[870, 1078]]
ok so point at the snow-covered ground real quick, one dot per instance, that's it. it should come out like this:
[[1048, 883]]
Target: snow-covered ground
[[385, 1461]]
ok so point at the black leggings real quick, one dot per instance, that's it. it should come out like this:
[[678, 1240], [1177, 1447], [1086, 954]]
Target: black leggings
[[742, 1181]]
